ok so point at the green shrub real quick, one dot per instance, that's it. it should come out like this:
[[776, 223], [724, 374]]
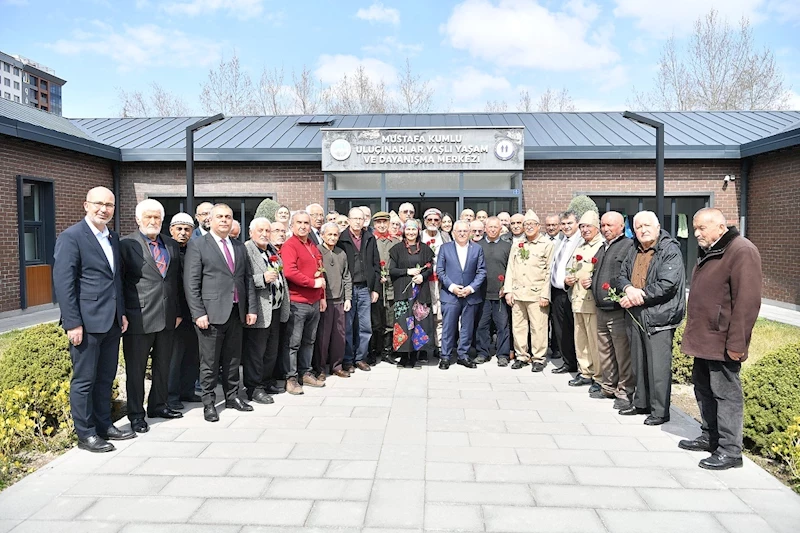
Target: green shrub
[[788, 448], [581, 204], [267, 208], [771, 397], [681, 363]]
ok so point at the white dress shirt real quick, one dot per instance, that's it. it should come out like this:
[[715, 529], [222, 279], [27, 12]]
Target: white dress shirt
[[227, 240], [461, 251], [103, 237], [564, 253]]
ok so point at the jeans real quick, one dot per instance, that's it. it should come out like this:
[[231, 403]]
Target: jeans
[[359, 313], [497, 312], [302, 330]]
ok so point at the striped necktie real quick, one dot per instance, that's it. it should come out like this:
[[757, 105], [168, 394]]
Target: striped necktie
[[159, 258]]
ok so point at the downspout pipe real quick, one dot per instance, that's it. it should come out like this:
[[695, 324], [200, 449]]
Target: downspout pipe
[[115, 176], [744, 185]]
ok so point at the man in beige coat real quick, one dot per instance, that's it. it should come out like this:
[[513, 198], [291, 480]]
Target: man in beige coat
[[579, 280], [527, 291]]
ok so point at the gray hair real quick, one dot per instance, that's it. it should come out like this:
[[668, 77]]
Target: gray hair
[[300, 212], [404, 204], [328, 225], [309, 206], [646, 214], [460, 223], [149, 205], [258, 220]]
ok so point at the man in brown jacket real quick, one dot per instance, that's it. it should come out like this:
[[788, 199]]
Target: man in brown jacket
[[723, 307]]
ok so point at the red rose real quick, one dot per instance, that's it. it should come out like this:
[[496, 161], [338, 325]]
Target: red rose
[[273, 259], [578, 258], [521, 245], [431, 243], [427, 265], [383, 263], [594, 260], [501, 277], [606, 286]]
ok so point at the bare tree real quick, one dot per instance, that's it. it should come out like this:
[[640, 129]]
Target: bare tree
[[416, 95], [719, 69], [158, 103], [228, 89], [272, 97], [496, 106], [555, 101], [525, 104], [357, 94], [305, 92]]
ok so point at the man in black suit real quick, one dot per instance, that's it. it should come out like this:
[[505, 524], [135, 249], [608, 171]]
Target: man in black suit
[[88, 285], [317, 215], [151, 269], [203, 216], [221, 296]]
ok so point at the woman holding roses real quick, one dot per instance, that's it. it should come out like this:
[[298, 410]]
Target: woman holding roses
[[410, 266]]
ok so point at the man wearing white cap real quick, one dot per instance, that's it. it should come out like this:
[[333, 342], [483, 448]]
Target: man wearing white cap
[[579, 281], [434, 238], [527, 291]]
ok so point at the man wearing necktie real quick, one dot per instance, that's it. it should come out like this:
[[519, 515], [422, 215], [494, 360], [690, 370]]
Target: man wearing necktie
[[219, 289], [151, 272]]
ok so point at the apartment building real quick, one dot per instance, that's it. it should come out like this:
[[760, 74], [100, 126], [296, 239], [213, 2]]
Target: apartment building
[[28, 82]]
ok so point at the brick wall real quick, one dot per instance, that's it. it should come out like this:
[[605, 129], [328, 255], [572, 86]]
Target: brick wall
[[74, 174], [772, 205]]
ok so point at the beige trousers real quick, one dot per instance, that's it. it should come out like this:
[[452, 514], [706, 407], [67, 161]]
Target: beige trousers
[[586, 345], [529, 316]]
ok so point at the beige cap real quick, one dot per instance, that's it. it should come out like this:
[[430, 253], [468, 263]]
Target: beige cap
[[590, 218], [530, 215]]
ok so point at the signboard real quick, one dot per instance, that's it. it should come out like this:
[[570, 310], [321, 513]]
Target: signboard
[[421, 149]]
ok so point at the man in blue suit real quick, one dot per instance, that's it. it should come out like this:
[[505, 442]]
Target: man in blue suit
[[88, 286], [461, 269]]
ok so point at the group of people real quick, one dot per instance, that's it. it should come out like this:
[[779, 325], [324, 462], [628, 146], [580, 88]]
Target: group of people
[[310, 296]]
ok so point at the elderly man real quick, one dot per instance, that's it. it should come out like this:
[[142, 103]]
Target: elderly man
[[406, 211], [203, 216], [613, 349], [277, 235], [476, 230], [87, 279], [434, 238], [329, 347], [653, 285], [236, 230], [383, 309], [494, 310], [184, 365], [221, 296], [461, 269], [527, 291], [515, 225], [331, 216], [363, 261], [302, 262], [276, 239], [552, 230], [262, 339], [723, 307], [481, 216], [563, 320], [579, 281], [552, 226], [505, 220], [151, 269], [317, 215], [467, 215], [367, 217]]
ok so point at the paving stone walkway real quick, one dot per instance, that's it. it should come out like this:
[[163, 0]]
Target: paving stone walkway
[[490, 449]]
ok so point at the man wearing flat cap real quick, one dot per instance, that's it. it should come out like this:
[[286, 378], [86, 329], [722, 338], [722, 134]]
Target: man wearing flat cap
[[382, 319], [527, 291]]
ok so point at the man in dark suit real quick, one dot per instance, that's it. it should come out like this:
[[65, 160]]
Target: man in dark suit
[[151, 272], [203, 216], [461, 269], [88, 285], [221, 296], [317, 215]]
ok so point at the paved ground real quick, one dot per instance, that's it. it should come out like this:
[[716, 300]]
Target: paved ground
[[489, 449]]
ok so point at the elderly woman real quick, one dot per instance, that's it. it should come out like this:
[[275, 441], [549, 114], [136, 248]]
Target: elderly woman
[[329, 348], [410, 267]]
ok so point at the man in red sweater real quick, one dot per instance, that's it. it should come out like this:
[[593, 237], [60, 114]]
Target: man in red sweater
[[302, 264]]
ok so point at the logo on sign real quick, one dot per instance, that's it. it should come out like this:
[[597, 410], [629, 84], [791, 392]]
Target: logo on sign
[[504, 149], [340, 149]]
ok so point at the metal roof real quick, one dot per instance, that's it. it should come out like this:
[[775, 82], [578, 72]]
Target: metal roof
[[604, 135]]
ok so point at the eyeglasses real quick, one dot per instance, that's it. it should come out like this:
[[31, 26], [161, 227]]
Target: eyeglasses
[[98, 205], [477, 231], [431, 220], [516, 223], [530, 224], [203, 214]]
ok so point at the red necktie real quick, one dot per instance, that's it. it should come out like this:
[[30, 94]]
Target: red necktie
[[158, 256]]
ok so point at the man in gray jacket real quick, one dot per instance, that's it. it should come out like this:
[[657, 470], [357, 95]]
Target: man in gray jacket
[[329, 348], [260, 341]]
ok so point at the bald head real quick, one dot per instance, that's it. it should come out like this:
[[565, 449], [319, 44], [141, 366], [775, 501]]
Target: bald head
[[612, 224], [709, 225]]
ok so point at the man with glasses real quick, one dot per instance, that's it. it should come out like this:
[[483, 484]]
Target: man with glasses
[[317, 215], [203, 216], [476, 229], [406, 211], [363, 262]]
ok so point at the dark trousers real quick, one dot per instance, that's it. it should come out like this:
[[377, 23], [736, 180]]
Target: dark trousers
[[552, 342], [719, 395], [381, 341], [282, 362], [493, 312], [563, 326], [220, 344], [302, 328], [329, 349], [137, 348], [259, 353], [652, 364], [184, 366], [451, 313], [94, 365]]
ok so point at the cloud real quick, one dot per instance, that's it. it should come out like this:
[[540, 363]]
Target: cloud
[[662, 19], [794, 100], [471, 84], [242, 9], [140, 46], [377, 12], [522, 33], [607, 80], [331, 68], [786, 10], [391, 46]]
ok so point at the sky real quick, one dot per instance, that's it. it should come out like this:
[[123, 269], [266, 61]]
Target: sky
[[471, 51]]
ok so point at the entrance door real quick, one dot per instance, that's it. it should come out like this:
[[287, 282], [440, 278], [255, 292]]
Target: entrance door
[[36, 218], [445, 205]]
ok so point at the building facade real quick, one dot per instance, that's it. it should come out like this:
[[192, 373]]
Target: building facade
[[27, 82]]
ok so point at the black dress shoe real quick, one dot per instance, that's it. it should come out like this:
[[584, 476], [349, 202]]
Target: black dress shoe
[[595, 387], [444, 364], [389, 359], [655, 420], [579, 381], [175, 406], [165, 412], [563, 369], [210, 413], [95, 444], [262, 397], [633, 410], [194, 398], [272, 388], [114, 433], [720, 461], [238, 404], [518, 364], [700, 444], [140, 426], [467, 363], [538, 366]]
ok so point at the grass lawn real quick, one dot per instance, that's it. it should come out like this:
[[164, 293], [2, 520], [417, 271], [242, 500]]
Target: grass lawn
[[769, 336], [7, 338]]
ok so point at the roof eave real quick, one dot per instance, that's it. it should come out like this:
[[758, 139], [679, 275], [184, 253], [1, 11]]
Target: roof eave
[[786, 139], [24, 130]]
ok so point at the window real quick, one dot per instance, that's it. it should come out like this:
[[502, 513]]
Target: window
[[354, 181], [7, 96], [501, 181], [16, 85], [6, 67], [44, 108], [43, 85], [16, 98], [244, 208], [16, 71], [55, 90], [421, 181], [7, 82], [34, 229], [34, 95]]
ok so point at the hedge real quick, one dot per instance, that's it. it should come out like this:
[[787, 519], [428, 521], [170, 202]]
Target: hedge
[[682, 364]]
